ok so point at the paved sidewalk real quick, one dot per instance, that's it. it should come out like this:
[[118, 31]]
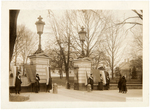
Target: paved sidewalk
[[76, 95]]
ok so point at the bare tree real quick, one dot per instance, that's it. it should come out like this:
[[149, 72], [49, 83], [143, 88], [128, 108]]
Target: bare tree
[[94, 22], [25, 43], [133, 20], [114, 45], [18, 46], [137, 34], [62, 30]]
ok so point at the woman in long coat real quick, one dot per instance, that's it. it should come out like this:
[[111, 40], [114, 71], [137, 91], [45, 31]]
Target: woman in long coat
[[90, 81], [18, 84], [101, 83], [120, 84], [37, 84], [107, 82], [124, 88]]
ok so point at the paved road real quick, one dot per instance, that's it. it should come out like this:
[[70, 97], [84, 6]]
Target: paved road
[[75, 95]]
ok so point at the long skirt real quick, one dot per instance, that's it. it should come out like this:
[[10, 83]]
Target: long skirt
[[124, 88], [37, 87], [100, 85], [107, 86]]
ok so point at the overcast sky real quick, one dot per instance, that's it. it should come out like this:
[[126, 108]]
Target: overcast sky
[[29, 17]]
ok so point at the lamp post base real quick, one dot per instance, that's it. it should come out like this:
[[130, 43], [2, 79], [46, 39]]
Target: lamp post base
[[39, 51]]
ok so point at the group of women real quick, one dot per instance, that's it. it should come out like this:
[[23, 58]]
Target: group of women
[[100, 84], [122, 85], [18, 83]]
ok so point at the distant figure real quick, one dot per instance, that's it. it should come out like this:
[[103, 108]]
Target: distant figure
[[90, 81], [60, 73], [124, 88], [37, 84], [49, 85], [18, 84], [120, 84], [100, 84], [101, 78], [107, 82]]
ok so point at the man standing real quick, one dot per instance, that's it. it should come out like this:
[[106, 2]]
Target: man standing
[[90, 81]]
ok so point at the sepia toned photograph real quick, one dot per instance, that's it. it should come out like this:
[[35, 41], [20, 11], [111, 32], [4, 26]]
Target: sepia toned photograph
[[75, 55]]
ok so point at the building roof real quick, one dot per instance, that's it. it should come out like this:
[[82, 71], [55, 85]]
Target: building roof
[[124, 65]]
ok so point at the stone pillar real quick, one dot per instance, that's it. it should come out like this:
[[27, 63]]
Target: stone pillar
[[41, 62], [83, 72]]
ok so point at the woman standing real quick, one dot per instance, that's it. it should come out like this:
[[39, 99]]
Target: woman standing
[[124, 88], [91, 81], [120, 84], [101, 82], [37, 84], [18, 84], [107, 82]]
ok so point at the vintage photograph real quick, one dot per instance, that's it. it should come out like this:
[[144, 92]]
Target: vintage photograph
[[75, 55], [78, 54]]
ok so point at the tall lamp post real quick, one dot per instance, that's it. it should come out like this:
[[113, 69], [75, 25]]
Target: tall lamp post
[[40, 26], [82, 35]]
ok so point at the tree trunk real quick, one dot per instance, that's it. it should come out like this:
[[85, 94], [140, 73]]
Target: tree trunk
[[112, 66], [67, 75], [67, 72]]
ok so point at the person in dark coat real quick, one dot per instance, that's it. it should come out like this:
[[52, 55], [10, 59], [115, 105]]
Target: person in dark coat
[[100, 84], [18, 84], [37, 84], [124, 88], [49, 85], [107, 82], [120, 84], [90, 81]]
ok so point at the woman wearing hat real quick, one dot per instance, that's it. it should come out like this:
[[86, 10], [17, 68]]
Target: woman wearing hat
[[37, 84], [18, 83], [101, 82], [124, 88], [120, 84]]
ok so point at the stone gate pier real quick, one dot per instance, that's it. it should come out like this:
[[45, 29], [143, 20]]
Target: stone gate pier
[[82, 70], [42, 66]]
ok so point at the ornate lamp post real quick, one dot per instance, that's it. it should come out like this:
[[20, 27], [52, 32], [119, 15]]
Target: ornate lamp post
[[82, 35], [40, 26]]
